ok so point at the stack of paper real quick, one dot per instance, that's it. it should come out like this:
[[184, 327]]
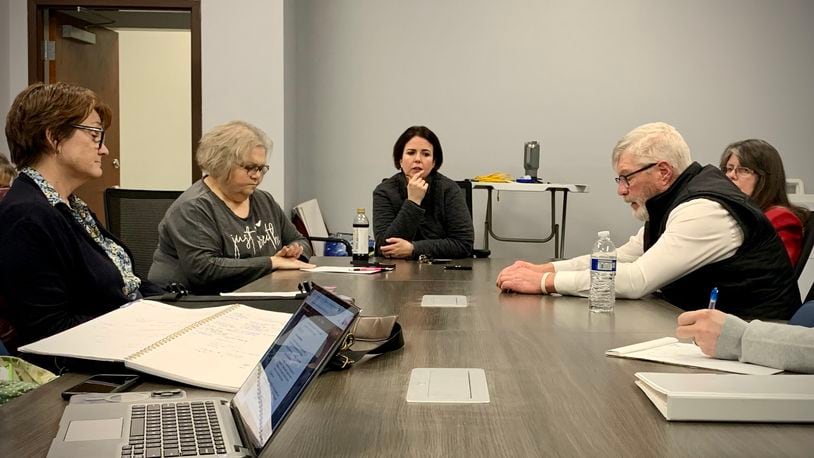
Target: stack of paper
[[670, 351], [346, 270]]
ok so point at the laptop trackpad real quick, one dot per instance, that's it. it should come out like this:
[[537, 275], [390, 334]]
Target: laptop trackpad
[[94, 430]]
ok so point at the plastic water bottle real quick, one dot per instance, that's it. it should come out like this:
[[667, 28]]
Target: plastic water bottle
[[603, 274], [361, 231]]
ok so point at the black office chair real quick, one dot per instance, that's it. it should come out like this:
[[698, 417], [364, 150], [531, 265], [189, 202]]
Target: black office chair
[[808, 243], [466, 187], [133, 216]]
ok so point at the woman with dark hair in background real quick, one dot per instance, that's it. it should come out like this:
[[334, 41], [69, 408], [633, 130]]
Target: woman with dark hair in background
[[418, 211], [756, 169]]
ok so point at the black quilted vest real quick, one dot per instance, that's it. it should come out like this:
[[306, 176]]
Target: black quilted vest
[[757, 282]]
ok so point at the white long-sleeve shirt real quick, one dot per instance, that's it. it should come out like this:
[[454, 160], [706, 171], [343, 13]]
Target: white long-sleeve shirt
[[698, 232]]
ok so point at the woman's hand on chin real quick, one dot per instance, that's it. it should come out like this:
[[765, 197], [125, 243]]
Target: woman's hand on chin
[[416, 189]]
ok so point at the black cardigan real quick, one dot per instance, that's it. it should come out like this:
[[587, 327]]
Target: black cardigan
[[53, 275], [441, 227]]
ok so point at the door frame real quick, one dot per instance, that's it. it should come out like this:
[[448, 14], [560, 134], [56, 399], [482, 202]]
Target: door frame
[[36, 70]]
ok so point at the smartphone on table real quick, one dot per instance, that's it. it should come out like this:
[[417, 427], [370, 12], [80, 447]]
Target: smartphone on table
[[102, 383], [457, 267]]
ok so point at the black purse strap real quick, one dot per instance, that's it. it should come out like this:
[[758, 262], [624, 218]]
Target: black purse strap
[[358, 345]]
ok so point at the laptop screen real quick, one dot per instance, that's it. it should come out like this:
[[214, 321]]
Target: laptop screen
[[299, 353]]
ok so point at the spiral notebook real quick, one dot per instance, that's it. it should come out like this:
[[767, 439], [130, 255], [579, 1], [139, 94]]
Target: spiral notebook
[[213, 348]]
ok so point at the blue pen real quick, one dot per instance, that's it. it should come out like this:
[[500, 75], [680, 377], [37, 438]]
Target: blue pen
[[713, 298]]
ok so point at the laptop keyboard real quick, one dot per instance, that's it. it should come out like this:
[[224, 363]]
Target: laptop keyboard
[[174, 429]]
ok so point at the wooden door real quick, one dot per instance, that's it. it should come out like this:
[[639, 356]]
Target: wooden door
[[96, 67]]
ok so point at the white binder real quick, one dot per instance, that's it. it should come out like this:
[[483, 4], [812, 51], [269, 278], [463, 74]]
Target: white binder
[[730, 397]]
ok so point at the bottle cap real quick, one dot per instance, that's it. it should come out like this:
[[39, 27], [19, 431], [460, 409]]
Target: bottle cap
[[602, 234], [360, 210]]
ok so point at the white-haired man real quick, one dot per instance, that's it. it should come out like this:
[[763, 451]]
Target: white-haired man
[[699, 232]]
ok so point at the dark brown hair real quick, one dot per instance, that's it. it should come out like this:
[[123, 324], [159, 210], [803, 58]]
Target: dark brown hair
[[41, 117], [426, 134], [765, 161]]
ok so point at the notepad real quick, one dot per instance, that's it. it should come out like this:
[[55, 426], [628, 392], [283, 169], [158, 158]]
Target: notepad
[[213, 348], [729, 397], [270, 294], [346, 270], [669, 350]]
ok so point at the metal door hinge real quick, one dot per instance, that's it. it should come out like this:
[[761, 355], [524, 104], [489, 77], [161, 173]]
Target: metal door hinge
[[49, 51]]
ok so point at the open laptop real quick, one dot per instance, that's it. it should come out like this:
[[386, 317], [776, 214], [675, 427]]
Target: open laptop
[[166, 423]]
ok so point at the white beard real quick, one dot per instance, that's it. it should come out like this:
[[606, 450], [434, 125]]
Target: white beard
[[641, 213]]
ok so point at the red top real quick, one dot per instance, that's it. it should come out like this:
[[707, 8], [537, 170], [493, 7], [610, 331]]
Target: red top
[[790, 230]]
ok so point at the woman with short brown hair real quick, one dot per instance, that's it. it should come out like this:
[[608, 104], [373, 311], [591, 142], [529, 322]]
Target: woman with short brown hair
[[59, 266]]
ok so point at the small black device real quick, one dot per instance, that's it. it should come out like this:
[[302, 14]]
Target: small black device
[[102, 383], [457, 267]]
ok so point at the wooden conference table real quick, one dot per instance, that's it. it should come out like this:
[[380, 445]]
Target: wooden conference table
[[553, 392]]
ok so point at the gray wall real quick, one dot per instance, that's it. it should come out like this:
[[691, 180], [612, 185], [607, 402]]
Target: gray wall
[[576, 75], [13, 55], [487, 76]]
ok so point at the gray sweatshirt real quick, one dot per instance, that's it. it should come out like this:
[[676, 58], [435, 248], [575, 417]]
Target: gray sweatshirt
[[206, 247], [781, 346]]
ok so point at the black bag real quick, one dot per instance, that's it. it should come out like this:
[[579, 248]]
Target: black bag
[[369, 335]]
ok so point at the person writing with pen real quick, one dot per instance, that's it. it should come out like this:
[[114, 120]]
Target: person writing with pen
[[725, 336]]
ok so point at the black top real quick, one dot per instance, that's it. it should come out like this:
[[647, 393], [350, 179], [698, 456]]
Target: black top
[[53, 275], [757, 281], [441, 227]]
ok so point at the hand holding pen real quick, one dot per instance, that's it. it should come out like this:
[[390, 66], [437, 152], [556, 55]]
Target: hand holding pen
[[703, 326]]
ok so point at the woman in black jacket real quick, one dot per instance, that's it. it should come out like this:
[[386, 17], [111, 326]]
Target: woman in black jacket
[[418, 211]]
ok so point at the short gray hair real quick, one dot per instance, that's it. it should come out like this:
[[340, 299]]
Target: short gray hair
[[656, 141], [226, 145]]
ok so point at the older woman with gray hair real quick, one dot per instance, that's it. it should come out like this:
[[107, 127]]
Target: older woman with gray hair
[[223, 232]]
